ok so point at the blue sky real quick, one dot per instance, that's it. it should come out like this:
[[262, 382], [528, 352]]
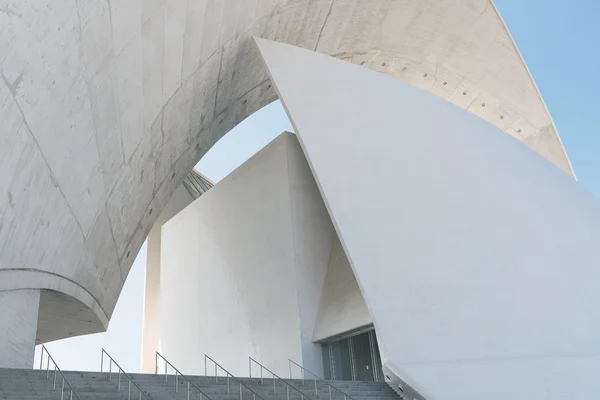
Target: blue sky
[[559, 41]]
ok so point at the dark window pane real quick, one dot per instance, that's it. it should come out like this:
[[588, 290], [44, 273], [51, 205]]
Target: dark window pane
[[363, 357], [327, 368]]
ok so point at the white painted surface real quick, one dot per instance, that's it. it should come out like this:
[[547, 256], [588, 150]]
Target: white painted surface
[[108, 104], [151, 325], [312, 234], [342, 307], [18, 324], [477, 258], [243, 278]]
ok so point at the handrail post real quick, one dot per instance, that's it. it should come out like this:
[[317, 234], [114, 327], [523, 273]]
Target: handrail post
[[166, 378], [205, 373], [41, 357], [119, 370], [47, 368], [288, 392], [188, 390], [261, 375], [315, 386], [102, 361], [176, 383], [249, 367], [290, 365], [54, 385], [329, 392], [62, 389], [228, 377]]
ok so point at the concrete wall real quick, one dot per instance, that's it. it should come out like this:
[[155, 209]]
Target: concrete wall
[[18, 321], [151, 326], [243, 266], [342, 307], [477, 258], [313, 235], [106, 114]]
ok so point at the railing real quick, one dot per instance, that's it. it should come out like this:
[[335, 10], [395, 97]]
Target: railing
[[64, 379], [317, 377], [288, 385], [228, 374], [189, 383], [120, 370]]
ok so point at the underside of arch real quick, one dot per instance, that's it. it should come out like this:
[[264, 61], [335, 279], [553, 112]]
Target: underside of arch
[[107, 105]]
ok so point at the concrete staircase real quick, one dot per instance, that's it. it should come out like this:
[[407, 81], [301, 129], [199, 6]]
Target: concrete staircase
[[16, 384]]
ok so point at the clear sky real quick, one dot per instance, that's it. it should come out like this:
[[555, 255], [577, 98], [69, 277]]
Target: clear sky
[[560, 42]]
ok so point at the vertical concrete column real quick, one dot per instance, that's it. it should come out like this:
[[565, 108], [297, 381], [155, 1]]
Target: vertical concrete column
[[18, 327], [151, 327]]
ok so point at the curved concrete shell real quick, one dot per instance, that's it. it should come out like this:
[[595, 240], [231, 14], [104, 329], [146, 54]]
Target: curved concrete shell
[[481, 280], [106, 105]]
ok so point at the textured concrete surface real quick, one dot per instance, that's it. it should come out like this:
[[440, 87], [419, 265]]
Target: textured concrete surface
[[18, 384], [151, 328], [482, 280], [63, 316], [342, 307], [256, 278], [106, 105], [18, 317]]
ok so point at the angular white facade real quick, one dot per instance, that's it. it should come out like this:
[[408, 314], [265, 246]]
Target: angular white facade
[[107, 105], [248, 278], [476, 257], [151, 326]]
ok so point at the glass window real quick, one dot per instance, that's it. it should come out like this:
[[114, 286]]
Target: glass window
[[353, 358]]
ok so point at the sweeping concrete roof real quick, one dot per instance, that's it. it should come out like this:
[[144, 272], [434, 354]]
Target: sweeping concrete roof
[[107, 105]]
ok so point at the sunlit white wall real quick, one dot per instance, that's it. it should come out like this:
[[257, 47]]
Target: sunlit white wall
[[124, 336]]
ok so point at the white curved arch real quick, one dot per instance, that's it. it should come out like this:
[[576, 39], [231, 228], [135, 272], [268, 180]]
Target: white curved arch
[[27, 279], [107, 105], [481, 278]]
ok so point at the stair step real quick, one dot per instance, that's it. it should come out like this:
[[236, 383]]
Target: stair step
[[36, 385]]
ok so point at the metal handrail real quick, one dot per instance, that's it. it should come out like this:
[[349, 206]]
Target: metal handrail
[[129, 378], [181, 375], [346, 396], [288, 385], [64, 378], [228, 374]]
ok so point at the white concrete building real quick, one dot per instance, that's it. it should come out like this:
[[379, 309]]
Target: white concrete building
[[106, 106], [459, 236], [398, 240], [265, 277]]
